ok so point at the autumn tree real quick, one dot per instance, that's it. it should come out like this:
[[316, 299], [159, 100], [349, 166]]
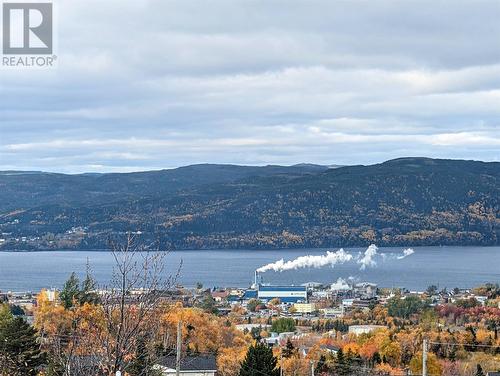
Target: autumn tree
[[387, 369], [295, 366], [108, 333], [229, 359], [433, 366], [131, 303], [55, 326], [253, 304]]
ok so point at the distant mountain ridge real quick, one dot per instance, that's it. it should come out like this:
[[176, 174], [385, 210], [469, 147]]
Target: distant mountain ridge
[[406, 201], [22, 190]]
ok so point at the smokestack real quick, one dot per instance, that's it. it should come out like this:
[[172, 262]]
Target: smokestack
[[257, 279]]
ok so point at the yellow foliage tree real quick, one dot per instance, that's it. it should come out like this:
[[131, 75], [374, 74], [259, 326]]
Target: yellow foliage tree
[[296, 366], [229, 360], [433, 365], [391, 352], [351, 347], [203, 332], [51, 319], [387, 369]]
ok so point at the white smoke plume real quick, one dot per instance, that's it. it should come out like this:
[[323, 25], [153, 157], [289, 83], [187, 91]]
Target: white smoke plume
[[330, 258], [407, 252], [368, 260], [341, 284]]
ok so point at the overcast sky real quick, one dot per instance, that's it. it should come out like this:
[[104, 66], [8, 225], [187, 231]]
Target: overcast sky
[[158, 84]]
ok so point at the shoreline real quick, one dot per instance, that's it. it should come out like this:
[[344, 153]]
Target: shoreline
[[256, 249]]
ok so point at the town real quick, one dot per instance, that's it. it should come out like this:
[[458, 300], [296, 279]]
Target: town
[[343, 328]]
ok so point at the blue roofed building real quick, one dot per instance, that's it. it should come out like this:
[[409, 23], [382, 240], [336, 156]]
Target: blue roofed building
[[250, 294]]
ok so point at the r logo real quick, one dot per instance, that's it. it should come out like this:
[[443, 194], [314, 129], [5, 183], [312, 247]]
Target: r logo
[[27, 28]]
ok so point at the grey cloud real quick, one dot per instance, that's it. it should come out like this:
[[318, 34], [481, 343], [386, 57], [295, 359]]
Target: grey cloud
[[157, 84]]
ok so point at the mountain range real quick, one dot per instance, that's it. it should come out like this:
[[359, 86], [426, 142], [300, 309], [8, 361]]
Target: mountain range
[[406, 201]]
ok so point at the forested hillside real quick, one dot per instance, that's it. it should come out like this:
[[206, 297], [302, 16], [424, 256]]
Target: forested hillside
[[408, 201]]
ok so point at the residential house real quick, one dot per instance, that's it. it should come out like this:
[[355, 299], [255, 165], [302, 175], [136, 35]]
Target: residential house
[[199, 365], [220, 296]]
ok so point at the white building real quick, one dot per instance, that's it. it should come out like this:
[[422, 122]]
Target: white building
[[364, 329], [286, 294], [304, 307], [249, 327], [275, 338], [332, 312]]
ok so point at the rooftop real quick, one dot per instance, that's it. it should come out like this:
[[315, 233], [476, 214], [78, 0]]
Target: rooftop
[[191, 363]]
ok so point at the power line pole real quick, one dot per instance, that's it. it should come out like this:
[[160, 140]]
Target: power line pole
[[179, 348], [424, 359]]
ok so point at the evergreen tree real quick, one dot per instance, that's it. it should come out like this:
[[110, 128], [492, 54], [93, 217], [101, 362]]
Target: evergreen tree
[[142, 364], [283, 324], [70, 291], [87, 292], [55, 366], [20, 353], [5, 315], [289, 349], [452, 354], [341, 364], [349, 356], [479, 371], [321, 366], [208, 304], [259, 361], [17, 310], [432, 290], [73, 293], [255, 333]]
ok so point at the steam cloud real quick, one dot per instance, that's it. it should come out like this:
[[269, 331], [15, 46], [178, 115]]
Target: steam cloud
[[365, 260], [331, 258], [407, 252], [341, 284], [369, 257]]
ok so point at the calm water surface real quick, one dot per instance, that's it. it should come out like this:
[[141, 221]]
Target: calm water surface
[[443, 266]]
